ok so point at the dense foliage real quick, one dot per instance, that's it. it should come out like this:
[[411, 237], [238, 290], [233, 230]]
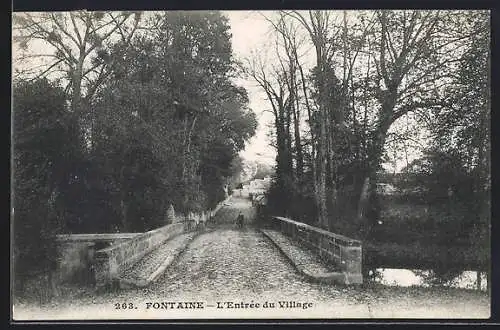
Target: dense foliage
[[164, 128], [45, 151], [354, 78]]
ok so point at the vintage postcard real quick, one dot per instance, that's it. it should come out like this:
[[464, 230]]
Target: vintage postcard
[[231, 165]]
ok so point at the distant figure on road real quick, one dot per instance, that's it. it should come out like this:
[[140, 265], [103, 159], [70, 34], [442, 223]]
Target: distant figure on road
[[240, 219]]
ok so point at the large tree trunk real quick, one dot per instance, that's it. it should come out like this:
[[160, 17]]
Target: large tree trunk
[[77, 85], [186, 175], [281, 150], [323, 162], [76, 98], [288, 138], [323, 143], [296, 125], [375, 152], [332, 162], [314, 170], [363, 199], [298, 148]]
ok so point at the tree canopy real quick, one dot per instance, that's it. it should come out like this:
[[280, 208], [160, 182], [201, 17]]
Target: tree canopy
[[156, 121], [341, 83]]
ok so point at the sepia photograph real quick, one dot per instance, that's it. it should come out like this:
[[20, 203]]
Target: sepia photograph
[[258, 164]]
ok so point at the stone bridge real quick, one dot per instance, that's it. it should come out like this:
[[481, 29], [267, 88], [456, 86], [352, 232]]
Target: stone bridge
[[291, 269], [128, 260]]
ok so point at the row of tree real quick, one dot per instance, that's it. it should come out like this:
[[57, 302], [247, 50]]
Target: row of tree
[[339, 83], [131, 114]]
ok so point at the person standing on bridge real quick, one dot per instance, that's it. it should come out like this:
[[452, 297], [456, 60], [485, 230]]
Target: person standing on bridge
[[240, 220]]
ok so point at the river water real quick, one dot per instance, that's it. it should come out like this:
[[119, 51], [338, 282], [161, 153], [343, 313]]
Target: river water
[[423, 278]]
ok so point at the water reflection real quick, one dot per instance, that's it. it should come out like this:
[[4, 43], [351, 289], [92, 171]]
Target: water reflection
[[428, 278]]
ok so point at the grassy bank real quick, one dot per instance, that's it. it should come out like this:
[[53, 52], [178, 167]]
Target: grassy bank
[[415, 235]]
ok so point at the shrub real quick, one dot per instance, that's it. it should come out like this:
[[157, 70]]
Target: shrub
[[41, 157]]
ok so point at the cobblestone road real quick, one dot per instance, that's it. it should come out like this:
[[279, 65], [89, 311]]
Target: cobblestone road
[[236, 264], [226, 264]]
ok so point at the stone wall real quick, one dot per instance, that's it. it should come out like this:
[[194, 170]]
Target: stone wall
[[113, 260], [76, 253], [74, 261], [342, 251]]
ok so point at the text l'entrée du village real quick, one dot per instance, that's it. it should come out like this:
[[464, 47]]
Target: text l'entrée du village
[[179, 305]]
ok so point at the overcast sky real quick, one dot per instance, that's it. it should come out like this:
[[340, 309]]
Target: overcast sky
[[250, 32]]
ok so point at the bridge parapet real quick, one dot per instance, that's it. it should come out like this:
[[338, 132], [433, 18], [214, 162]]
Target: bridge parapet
[[94, 238], [342, 251], [113, 260], [76, 253]]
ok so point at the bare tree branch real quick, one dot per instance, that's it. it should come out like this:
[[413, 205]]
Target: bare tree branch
[[46, 70]]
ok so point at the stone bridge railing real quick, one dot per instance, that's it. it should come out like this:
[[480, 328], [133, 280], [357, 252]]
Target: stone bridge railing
[[342, 251], [110, 262], [108, 238], [113, 260], [76, 253]]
